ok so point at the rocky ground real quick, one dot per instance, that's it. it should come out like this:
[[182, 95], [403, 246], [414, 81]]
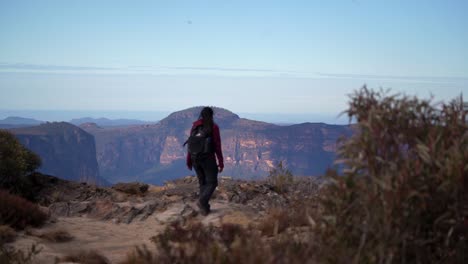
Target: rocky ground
[[113, 221]]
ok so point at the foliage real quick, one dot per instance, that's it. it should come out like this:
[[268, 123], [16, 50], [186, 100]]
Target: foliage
[[16, 162], [403, 195], [280, 177], [18, 212]]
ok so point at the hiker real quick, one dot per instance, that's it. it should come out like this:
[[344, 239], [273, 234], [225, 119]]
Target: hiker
[[204, 144]]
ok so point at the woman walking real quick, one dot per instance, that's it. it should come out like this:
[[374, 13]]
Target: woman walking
[[204, 146]]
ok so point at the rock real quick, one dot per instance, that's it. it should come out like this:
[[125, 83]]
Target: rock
[[77, 208], [59, 209], [103, 209], [177, 213], [131, 187]]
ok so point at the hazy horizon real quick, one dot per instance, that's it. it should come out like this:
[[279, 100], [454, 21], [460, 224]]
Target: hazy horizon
[[154, 116]]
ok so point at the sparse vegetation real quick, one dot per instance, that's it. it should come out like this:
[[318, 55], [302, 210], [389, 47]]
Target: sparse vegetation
[[277, 220], [18, 212], [88, 257], [280, 178], [197, 243], [403, 195], [228, 243]]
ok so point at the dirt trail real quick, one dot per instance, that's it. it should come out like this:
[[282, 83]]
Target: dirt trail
[[115, 240]]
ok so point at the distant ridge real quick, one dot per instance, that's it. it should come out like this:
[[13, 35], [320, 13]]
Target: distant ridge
[[106, 122], [16, 121]]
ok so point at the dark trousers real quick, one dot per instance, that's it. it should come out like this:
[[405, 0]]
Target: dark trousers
[[207, 173]]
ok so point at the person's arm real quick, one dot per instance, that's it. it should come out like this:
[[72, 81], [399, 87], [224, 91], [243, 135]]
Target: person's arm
[[188, 160], [218, 149]]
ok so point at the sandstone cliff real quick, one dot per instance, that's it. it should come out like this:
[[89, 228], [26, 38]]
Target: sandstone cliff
[[66, 150]]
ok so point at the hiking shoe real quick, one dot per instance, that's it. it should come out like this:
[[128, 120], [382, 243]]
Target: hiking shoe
[[203, 210]]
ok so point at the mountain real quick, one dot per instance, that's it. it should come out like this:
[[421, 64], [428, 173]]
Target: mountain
[[153, 153], [15, 121], [105, 122], [66, 150]]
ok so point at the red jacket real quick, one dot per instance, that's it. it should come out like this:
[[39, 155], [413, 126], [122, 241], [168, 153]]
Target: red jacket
[[216, 141]]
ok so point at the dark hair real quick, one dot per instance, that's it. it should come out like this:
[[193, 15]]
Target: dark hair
[[207, 115]]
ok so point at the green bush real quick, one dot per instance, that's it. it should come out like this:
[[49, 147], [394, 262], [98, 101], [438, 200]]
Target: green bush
[[403, 195], [16, 162], [280, 178]]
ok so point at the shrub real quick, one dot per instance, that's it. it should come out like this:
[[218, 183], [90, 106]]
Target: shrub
[[277, 220], [226, 244], [16, 162], [18, 212], [197, 243], [7, 234], [402, 196], [280, 177]]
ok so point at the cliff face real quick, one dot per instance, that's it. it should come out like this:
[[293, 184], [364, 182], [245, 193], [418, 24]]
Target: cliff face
[[66, 151], [154, 153]]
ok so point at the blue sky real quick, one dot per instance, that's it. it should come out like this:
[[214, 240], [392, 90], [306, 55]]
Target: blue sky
[[294, 57]]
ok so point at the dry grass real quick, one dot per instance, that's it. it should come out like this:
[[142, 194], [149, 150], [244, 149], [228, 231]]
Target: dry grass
[[277, 220], [226, 244], [87, 257]]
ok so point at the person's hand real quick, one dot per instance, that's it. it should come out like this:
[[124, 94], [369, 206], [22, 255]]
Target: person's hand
[[189, 165], [220, 168]]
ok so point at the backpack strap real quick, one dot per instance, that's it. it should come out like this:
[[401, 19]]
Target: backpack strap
[[191, 131]]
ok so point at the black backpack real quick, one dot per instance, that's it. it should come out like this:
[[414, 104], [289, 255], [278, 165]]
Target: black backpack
[[200, 143]]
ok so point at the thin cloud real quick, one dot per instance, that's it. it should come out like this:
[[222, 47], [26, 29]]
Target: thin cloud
[[421, 79], [225, 69], [136, 69], [45, 67]]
